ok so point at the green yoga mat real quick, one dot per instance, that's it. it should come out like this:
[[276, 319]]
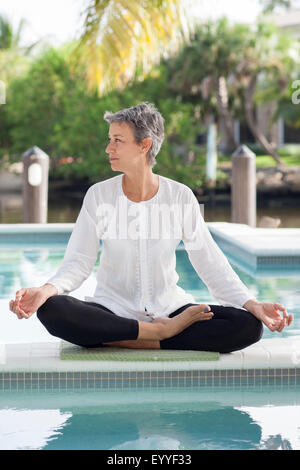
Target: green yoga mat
[[71, 352]]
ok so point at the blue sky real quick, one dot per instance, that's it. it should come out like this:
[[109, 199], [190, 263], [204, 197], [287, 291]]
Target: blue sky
[[59, 20]]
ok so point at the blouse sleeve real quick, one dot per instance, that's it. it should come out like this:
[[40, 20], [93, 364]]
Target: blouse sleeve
[[209, 261], [82, 249]]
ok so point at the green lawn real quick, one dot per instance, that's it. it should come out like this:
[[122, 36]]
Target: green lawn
[[289, 154], [266, 161]]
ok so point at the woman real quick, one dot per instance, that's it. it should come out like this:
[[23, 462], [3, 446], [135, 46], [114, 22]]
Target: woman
[[141, 217]]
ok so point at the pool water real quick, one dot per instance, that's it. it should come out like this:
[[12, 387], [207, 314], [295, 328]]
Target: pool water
[[204, 419]]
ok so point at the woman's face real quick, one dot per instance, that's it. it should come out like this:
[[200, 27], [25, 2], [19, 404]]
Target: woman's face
[[124, 152]]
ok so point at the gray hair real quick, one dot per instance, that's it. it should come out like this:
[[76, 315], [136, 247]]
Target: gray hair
[[145, 121]]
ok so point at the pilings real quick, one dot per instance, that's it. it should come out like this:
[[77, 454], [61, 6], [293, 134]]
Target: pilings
[[35, 186], [243, 187]]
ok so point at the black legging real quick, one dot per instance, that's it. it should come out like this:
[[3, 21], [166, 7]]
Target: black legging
[[90, 324]]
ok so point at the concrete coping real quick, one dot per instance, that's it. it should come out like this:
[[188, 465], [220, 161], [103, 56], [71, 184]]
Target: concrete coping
[[259, 241], [268, 353]]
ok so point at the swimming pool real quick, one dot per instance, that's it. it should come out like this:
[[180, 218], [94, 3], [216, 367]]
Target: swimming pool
[[247, 413]]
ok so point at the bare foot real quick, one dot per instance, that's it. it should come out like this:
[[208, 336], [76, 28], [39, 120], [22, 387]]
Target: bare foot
[[150, 335], [192, 314]]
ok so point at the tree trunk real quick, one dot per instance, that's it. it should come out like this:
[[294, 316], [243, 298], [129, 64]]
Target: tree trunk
[[225, 115], [260, 137]]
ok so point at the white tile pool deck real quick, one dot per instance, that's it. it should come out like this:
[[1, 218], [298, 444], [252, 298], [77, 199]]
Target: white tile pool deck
[[31, 349], [276, 353]]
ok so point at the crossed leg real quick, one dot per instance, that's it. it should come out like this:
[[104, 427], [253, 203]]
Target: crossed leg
[[90, 324], [229, 329]]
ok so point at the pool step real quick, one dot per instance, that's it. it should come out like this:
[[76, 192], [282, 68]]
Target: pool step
[[259, 251]]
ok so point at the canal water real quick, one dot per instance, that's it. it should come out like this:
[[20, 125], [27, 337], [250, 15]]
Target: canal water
[[64, 208]]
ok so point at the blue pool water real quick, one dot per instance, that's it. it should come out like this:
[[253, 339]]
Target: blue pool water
[[214, 419]]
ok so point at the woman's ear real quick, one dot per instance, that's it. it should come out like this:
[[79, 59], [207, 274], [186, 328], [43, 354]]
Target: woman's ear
[[146, 144]]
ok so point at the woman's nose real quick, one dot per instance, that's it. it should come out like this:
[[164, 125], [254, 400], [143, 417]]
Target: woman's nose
[[108, 148]]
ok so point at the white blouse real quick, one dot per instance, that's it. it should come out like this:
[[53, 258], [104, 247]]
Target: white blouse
[[137, 275]]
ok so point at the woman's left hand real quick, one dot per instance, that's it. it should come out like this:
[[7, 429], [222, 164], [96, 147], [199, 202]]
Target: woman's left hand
[[269, 314]]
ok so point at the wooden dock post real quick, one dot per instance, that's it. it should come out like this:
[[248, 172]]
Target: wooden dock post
[[211, 161], [2, 92], [211, 154], [243, 187], [35, 186]]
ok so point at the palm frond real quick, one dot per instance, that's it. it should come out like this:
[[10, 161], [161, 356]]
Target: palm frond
[[121, 35], [6, 33]]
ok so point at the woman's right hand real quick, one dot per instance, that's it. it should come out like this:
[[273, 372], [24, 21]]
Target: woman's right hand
[[28, 300]]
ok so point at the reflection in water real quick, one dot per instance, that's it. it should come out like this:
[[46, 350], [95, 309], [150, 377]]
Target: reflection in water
[[160, 428], [280, 426], [35, 257], [29, 429], [277, 443], [137, 428], [261, 417], [194, 426], [29, 267]]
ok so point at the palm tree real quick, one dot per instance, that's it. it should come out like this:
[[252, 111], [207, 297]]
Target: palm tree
[[202, 69], [14, 61], [288, 109], [14, 58], [6, 35], [266, 68], [227, 67], [10, 40], [124, 39]]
